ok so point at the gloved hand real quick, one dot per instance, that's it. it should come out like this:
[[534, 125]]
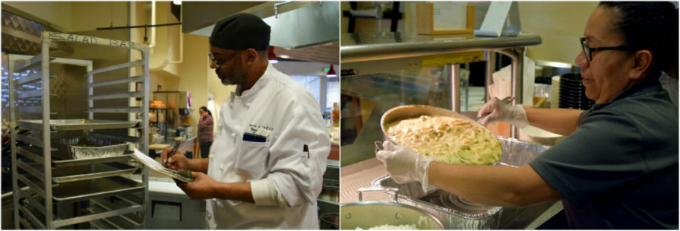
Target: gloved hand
[[404, 164], [500, 111]]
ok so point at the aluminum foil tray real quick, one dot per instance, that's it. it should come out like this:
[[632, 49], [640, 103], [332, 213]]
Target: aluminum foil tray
[[93, 188], [457, 213], [72, 162], [80, 148], [77, 124]]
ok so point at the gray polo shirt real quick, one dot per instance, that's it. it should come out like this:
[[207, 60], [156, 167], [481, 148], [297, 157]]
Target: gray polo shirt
[[620, 168]]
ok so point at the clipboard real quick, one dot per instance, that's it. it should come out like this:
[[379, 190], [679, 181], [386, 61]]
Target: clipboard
[[158, 167]]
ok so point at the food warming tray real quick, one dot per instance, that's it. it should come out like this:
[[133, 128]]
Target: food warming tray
[[457, 213], [77, 124], [85, 172], [92, 188], [366, 215]]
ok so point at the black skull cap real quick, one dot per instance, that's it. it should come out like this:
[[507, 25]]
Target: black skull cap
[[241, 31]]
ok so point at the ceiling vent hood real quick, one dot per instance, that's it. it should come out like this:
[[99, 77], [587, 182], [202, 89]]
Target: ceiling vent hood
[[298, 25]]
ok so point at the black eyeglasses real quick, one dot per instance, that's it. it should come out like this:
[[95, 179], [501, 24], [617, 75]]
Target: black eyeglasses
[[588, 51], [217, 65]]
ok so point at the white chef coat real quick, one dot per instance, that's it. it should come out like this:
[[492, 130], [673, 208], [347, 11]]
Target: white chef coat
[[289, 116]]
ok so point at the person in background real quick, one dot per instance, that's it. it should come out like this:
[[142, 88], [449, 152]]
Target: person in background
[[266, 164], [205, 131], [618, 169]]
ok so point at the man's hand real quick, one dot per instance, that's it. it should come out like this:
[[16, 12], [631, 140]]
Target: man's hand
[[201, 188], [176, 161], [500, 111], [404, 164]]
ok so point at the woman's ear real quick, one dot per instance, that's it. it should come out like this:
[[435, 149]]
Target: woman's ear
[[641, 62]]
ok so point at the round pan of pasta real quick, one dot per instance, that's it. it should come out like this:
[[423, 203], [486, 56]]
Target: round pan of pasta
[[443, 134]]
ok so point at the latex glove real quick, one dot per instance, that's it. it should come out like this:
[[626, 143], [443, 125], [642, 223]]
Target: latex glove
[[404, 164], [500, 111]]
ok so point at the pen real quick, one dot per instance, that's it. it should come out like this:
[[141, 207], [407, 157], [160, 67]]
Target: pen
[[174, 149], [305, 148]]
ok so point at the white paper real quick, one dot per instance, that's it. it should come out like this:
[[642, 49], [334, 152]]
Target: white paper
[[158, 167], [148, 161], [449, 15]]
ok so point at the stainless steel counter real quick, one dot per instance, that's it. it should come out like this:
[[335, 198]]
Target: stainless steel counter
[[361, 175]]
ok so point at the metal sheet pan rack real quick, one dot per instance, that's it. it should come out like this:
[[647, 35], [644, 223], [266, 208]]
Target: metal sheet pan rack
[[76, 193]]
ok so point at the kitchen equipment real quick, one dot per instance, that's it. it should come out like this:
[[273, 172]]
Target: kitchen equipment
[[65, 189], [77, 124], [330, 191], [82, 172], [329, 221], [413, 111], [366, 215], [458, 213], [92, 188], [573, 93]]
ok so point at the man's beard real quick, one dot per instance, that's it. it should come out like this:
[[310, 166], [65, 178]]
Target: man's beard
[[235, 76]]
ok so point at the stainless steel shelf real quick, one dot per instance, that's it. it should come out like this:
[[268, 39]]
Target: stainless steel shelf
[[116, 95], [33, 141], [98, 215], [368, 46], [77, 124], [71, 162], [117, 81], [33, 62], [32, 79], [89, 189], [31, 94], [32, 153], [117, 110], [34, 110], [116, 67], [83, 172], [59, 183]]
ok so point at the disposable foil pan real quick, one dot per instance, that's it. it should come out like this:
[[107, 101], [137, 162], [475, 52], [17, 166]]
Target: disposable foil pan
[[94, 148], [515, 153]]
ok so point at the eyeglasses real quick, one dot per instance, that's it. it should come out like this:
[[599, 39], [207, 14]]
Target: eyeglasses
[[218, 64], [588, 51]]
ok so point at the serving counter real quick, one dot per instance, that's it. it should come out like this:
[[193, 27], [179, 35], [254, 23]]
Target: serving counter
[[454, 214], [384, 70]]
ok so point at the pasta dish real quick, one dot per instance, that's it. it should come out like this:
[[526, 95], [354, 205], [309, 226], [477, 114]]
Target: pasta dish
[[447, 139]]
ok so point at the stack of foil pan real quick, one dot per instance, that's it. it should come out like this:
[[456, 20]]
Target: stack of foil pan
[[457, 215]]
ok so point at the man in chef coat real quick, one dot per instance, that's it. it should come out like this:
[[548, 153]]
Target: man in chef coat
[[267, 161]]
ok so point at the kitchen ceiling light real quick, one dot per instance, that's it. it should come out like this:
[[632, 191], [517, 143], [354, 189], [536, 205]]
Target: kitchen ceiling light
[[331, 72], [272, 55]]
